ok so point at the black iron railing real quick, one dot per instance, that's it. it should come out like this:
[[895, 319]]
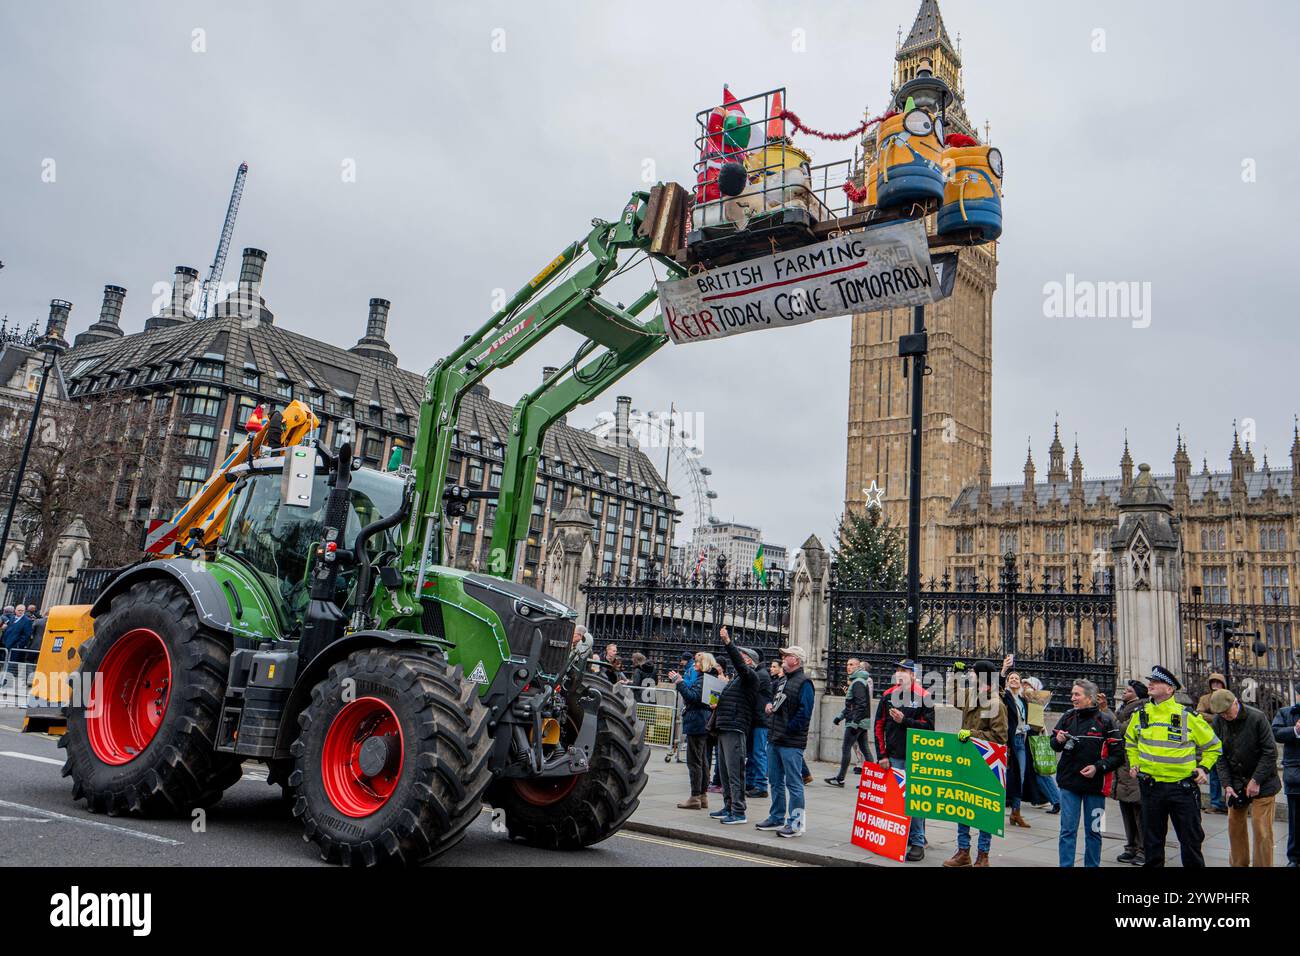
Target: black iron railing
[[1262, 660], [1059, 631], [681, 612]]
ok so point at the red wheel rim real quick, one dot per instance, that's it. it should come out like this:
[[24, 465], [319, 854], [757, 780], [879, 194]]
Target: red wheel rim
[[543, 791], [134, 690], [354, 792]]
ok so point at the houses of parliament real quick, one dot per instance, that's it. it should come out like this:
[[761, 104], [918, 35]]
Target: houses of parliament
[[1239, 527]]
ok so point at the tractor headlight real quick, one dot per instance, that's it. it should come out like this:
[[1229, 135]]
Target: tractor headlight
[[995, 161], [918, 123]]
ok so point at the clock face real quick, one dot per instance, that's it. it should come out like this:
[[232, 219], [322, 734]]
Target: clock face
[[995, 161]]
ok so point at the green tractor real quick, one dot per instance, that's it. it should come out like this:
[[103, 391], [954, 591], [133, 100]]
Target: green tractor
[[390, 694]]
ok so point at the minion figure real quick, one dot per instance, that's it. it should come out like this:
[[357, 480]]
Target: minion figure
[[972, 195], [909, 160]]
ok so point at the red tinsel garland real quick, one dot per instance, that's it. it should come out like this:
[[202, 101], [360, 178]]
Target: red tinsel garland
[[837, 137]]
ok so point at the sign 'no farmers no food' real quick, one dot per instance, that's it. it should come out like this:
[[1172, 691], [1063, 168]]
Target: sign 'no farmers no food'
[[881, 268]]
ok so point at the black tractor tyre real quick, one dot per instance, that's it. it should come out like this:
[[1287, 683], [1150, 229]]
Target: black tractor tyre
[[600, 800], [429, 781], [117, 767]]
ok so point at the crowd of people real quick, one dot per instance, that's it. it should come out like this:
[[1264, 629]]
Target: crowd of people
[[746, 727]]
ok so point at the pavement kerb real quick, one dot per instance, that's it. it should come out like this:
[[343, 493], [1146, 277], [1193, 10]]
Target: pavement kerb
[[780, 850]]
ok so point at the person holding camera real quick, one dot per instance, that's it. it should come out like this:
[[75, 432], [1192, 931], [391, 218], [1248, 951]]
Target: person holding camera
[[1248, 773], [1092, 749], [1171, 752]]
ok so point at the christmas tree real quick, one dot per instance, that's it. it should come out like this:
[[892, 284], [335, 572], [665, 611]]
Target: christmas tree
[[871, 556]]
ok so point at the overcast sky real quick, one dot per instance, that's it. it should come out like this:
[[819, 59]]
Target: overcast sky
[[474, 166]]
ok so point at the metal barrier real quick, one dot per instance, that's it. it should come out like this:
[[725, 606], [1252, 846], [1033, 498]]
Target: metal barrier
[[17, 667], [657, 708]]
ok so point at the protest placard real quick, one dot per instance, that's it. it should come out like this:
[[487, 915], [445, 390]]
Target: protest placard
[[952, 779]]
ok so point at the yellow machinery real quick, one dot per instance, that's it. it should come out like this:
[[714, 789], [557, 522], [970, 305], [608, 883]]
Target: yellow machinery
[[195, 526]]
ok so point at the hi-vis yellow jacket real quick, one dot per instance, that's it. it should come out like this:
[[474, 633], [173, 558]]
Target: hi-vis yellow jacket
[[1168, 741]]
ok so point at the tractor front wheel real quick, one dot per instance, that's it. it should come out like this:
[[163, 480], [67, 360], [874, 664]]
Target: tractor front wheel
[[143, 740], [568, 813], [392, 758]]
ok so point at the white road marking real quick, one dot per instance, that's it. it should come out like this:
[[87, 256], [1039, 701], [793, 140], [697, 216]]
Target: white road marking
[[14, 753], [9, 805], [24, 820]]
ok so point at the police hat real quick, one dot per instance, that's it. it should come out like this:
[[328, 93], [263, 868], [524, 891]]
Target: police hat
[[1164, 676]]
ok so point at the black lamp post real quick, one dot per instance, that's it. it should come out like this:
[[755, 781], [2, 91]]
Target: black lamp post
[[49, 347], [931, 93]]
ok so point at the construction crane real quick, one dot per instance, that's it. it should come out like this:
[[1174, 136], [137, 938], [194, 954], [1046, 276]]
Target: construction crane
[[223, 245]]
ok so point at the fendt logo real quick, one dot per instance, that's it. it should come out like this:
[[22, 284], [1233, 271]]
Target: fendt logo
[[507, 336]]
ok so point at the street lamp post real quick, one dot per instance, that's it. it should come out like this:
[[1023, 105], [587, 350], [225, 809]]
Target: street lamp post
[[913, 349], [49, 347], [931, 93]]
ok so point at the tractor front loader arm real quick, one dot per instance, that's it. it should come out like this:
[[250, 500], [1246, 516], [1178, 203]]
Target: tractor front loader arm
[[650, 223]]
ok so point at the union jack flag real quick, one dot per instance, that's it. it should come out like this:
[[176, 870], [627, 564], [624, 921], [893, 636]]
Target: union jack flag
[[900, 777], [995, 755]]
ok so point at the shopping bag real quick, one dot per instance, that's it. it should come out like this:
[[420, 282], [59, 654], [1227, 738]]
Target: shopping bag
[[1040, 746]]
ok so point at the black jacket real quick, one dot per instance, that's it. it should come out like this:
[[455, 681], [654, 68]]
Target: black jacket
[[736, 704], [1284, 733], [1249, 752], [792, 707], [1094, 731], [918, 714], [763, 697]]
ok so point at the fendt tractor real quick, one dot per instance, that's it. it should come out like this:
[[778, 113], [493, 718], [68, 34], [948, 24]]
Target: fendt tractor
[[310, 620], [322, 633]]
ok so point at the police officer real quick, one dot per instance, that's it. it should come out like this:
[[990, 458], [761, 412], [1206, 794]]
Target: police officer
[[1171, 751]]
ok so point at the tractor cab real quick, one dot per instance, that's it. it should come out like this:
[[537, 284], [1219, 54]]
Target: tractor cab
[[275, 525]]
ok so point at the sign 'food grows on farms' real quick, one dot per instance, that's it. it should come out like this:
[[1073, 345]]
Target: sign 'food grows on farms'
[[964, 781], [880, 268]]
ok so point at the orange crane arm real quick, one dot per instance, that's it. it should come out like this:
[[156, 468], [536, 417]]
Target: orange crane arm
[[206, 511]]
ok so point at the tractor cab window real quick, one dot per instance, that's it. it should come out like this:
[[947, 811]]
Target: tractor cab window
[[278, 541]]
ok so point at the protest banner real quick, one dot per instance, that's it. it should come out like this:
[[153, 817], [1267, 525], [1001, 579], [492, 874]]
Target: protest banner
[[879, 824], [952, 779], [880, 268]]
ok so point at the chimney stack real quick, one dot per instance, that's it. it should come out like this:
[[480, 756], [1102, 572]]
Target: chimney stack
[[186, 280], [377, 320], [374, 344], [247, 302], [622, 419], [177, 311], [250, 271], [58, 321], [110, 317]]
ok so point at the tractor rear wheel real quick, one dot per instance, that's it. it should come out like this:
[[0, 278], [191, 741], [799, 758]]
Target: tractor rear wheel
[[144, 743], [391, 760], [568, 813]]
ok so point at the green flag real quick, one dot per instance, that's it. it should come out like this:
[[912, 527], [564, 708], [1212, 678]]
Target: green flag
[[760, 571], [394, 458]]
